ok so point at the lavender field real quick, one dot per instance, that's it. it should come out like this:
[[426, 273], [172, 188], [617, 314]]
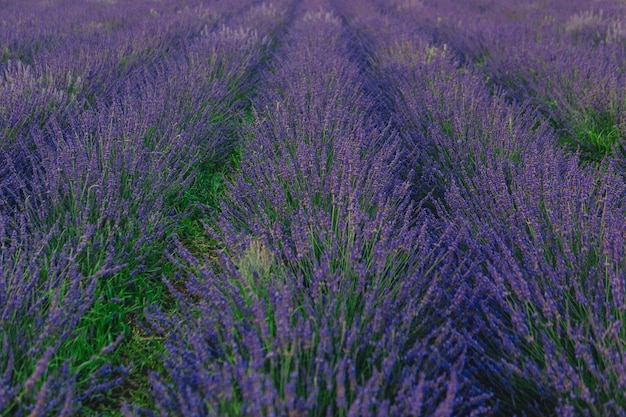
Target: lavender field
[[312, 208]]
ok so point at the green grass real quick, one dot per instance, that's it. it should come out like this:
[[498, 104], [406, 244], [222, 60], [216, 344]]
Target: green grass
[[593, 134], [120, 311], [140, 351], [120, 297], [205, 191]]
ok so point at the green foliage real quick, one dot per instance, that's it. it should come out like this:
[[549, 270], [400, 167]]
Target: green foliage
[[119, 311], [593, 134], [203, 193]]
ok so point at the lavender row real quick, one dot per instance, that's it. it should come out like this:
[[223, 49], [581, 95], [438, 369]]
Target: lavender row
[[568, 57], [547, 234], [323, 299], [85, 177]]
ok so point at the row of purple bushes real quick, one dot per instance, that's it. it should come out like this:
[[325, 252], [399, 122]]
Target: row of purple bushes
[[566, 57], [546, 229], [106, 109], [428, 216], [329, 294]]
